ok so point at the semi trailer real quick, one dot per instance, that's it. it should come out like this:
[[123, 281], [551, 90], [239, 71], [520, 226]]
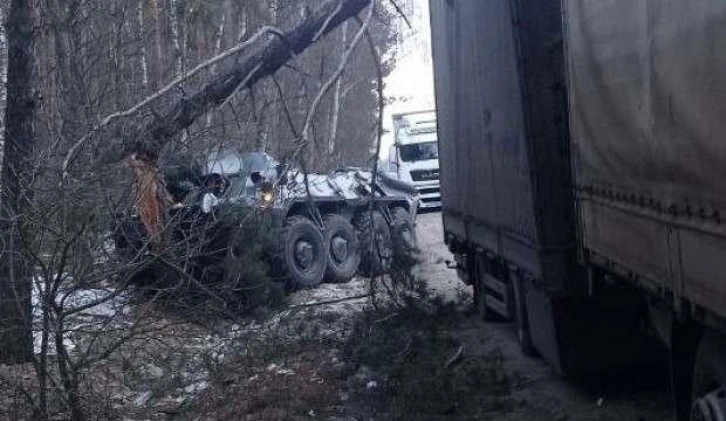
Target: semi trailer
[[583, 178]]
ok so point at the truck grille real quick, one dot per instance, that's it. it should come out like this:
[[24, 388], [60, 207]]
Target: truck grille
[[424, 175], [429, 190]]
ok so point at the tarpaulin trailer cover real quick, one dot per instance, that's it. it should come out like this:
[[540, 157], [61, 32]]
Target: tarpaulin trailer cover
[[647, 95], [503, 131]]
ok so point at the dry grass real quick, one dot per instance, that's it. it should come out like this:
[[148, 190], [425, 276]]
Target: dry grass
[[254, 388]]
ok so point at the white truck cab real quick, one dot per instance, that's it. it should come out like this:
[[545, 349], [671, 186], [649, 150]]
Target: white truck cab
[[414, 156]]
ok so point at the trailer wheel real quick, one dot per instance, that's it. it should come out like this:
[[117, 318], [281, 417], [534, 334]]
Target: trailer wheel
[[403, 235], [481, 308], [375, 243], [524, 335], [709, 379], [302, 252], [343, 250]]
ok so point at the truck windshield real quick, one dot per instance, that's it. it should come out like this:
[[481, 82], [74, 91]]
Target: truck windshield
[[419, 151]]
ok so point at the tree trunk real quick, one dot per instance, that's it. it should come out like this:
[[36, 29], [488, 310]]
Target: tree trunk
[[174, 19], [263, 58], [217, 50], [335, 112], [144, 63], [158, 62], [3, 80], [16, 341]]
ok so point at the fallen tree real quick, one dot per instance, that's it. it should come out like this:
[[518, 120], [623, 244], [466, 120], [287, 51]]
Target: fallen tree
[[261, 56]]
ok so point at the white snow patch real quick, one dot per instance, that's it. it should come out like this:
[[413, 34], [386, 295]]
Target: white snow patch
[[90, 310]]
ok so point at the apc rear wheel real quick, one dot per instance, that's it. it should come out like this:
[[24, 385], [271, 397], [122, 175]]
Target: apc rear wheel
[[403, 235], [375, 243], [343, 250]]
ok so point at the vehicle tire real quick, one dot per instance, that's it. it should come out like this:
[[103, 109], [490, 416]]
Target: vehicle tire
[[403, 235], [709, 379], [343, 250], [302, 252], [481, 309], [376, 246]]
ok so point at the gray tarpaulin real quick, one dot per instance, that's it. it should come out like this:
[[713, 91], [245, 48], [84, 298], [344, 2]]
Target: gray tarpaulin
[[648, 98], [502, 120], [647, 88]]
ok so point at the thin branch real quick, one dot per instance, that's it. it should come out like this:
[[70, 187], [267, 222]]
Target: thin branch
[[285, 108], [338, 72], [400, 12], [241, 85], [379, 135], [327, 22], [334, 301]]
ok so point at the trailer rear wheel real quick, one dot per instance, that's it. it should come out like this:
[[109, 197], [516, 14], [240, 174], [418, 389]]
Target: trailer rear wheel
[[524, 335], [343, 250], [302, 252], [404, 237], [709, 379], [375, 243]]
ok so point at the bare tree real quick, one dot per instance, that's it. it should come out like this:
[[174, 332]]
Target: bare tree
[[70, 167], [3, 78], [15, 281]]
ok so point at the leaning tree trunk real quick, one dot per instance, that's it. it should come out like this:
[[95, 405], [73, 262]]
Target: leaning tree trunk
[[16, 342], [262, 59]]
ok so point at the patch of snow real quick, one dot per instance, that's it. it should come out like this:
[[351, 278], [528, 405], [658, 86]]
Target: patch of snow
[[195, 388], [90, 310], [154, 372], [142, 399]]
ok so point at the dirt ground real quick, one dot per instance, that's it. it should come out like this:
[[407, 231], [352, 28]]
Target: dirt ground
[[332, 353], [348, 360], [536, 392]]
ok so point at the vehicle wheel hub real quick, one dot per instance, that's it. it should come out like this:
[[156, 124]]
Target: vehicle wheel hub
[[339, 249], [711, 407], [304, 254]]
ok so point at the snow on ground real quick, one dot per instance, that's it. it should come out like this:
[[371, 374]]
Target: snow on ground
[[87, 310]]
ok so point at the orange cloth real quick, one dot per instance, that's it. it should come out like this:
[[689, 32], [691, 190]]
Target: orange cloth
[[150, 197]]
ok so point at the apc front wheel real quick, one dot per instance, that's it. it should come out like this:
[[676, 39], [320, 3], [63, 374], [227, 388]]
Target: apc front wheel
[[302, 252]]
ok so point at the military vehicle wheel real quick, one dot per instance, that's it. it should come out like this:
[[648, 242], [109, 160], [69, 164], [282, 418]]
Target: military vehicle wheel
[[343, 251], [374, 237], [709, 379], [303, 252], [403, 235]]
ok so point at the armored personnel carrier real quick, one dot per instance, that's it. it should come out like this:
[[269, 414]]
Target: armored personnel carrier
[[324, 227]]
